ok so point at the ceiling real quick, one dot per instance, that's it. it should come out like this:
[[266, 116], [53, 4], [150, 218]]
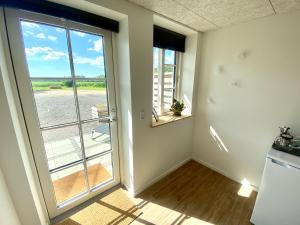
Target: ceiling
[[204, 15]]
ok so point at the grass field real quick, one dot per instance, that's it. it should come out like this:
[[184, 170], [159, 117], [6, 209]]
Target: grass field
[[65, 85]]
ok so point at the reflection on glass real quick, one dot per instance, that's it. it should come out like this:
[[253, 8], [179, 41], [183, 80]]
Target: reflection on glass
[[92, 99], [168, 100], [155, 60], [88, 55], [168, 81], [68, 183], [62, 146], [46, 50], [155, 92], [99, 170], [169, 57], [156, 67], [96, 137], [168, 86], [168, 90], [55, 102]]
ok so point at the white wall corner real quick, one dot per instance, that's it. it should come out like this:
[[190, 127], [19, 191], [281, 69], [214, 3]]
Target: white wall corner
[[8, 214], [220, 171], [161, 176], [197, 72]]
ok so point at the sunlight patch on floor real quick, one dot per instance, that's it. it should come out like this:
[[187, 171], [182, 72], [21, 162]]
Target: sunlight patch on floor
[[194, 221], [153, 212], [246, 189]]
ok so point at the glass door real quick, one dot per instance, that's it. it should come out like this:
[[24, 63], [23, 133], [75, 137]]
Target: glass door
[[64, 72]]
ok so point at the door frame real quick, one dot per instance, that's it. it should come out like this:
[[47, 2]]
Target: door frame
[[28, 104]]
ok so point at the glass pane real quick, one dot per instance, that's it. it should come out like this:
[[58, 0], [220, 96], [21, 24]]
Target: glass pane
[[168, 81], [168, 87], [96, 138], [155, 91], [54, 101], [46, 50], [168, 69], [155, 60], [88, 55], [156, 66], [69, 183], [169, 57], [62, 146], [99, 170], [168, 99], [92, 99]]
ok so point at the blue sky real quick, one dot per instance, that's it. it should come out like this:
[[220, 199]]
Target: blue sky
[[169, 57], [47, 52]]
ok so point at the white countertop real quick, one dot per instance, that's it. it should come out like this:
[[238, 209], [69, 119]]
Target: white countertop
[[292, 160]]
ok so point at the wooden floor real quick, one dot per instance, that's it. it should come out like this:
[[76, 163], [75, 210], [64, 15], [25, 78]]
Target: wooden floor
[[194, 194]]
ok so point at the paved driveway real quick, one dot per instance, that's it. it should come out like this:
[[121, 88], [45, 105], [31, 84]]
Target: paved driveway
[[58, 107], [63, 144]]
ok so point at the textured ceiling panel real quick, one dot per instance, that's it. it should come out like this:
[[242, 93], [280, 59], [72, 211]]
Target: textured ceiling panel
[[282, 6], [203, 15], [176, 12], [226, 12]]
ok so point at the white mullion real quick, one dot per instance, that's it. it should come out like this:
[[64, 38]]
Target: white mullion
[[178, 75], [175, 74], [162, 75], [77, 108], [160, 81]]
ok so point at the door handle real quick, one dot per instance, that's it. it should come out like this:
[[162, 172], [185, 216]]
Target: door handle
[[280, 163], [107, 119]]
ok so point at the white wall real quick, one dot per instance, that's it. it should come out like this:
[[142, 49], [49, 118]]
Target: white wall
[[8, 215], [246, 117], [18, 171], [189, 69], [13, 170]]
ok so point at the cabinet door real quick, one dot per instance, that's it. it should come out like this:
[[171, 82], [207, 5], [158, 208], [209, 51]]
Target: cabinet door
[[279, 195]]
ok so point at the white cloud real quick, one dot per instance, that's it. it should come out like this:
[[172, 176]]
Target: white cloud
[[98, 61], [35, 50], [41, 35], [54, 55], [90, 40], [28, 33], [46, 52], [78, 33], [60, 30], [52, 38], [29, 24], [97, 46]]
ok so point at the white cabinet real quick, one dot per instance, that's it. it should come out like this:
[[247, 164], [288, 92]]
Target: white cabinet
[[278, 200]]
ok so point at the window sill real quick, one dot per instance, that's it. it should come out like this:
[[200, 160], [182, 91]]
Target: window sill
[[169, 118]]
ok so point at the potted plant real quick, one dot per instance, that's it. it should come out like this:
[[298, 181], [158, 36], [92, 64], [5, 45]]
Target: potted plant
[[177, 107]]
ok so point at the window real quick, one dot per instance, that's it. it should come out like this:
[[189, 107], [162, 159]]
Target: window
[[165, 79]]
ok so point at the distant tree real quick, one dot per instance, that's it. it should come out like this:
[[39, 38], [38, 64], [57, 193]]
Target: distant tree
[[167, 68], [69, 83]]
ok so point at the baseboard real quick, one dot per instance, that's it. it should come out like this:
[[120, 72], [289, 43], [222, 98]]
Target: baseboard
[[170, 170], [210, 166]]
